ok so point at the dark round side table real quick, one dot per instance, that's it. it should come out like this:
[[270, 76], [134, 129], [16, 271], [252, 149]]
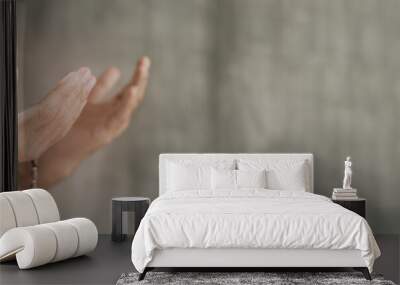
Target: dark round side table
[[138, 205]]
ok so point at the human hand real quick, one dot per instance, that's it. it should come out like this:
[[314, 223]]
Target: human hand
[[44, 124], [101, 121]]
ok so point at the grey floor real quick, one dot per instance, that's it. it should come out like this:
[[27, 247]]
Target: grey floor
[[109, 260], [103, 266]]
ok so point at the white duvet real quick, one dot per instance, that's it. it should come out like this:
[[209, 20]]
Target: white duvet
[[251, 218]]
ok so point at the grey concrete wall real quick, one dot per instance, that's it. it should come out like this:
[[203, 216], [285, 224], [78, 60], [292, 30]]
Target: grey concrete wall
[[231, 76]]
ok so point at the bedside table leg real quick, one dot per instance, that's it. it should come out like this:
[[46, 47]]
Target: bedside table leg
[[117, 222]]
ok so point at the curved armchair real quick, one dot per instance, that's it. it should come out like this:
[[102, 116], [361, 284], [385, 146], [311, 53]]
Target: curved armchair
[[31, 230]]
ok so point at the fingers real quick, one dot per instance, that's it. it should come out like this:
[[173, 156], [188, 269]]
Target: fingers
[[74, 84], [80, 73], [123, 107], [82, 78], [104, 84], [130, 101], [143, 81], [130, 96], [70, 94], [141, 76], [141, 70]]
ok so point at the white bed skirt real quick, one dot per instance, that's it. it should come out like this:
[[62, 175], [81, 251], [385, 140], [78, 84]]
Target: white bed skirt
[[190, 257]]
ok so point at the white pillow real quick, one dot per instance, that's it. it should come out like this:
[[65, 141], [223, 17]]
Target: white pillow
[[186, 174], [223, 179], [251, 178], [236, 179], [181, 177], [283, 174]]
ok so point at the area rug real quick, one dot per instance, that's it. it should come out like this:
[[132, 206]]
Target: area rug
[[269, 278]]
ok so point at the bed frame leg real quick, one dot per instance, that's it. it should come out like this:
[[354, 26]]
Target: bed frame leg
[[143, 274], [364, 271]]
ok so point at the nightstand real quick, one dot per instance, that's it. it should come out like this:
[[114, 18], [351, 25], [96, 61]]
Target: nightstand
[[358, 206], [139, 205]]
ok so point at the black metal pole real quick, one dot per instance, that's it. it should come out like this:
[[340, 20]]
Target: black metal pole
[[8, 97]]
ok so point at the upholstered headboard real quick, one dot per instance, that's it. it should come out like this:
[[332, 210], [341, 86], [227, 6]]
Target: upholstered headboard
[[164, 157]]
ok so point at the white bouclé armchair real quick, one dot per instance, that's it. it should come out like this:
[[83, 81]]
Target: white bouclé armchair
[[31, 230]]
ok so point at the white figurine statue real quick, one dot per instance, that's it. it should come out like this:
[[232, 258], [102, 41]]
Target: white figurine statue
[[347, 173]]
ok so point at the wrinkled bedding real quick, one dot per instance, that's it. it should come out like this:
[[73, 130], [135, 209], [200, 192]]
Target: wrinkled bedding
[[250, 218]]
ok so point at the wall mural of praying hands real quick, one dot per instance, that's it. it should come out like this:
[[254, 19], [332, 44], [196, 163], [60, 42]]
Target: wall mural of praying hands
[[82, 120]]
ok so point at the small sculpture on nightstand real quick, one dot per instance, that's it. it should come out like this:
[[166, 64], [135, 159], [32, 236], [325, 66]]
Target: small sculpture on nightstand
[[347, 173]]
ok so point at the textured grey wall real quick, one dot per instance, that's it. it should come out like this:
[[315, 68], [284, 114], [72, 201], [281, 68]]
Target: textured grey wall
[[232, 76]]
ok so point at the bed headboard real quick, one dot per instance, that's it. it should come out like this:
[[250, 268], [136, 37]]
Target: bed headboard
[[164, 157]]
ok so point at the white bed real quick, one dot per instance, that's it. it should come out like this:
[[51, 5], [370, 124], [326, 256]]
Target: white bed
[[250, 227]]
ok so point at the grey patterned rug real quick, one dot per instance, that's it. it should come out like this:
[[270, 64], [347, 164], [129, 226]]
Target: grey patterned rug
[[273, 278]]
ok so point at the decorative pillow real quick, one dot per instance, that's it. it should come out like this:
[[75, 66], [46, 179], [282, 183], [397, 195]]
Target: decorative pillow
[[251, 178], [281, 174], [184, 174], [182, 177], [288, 179], [223, 179], [236, 179]]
